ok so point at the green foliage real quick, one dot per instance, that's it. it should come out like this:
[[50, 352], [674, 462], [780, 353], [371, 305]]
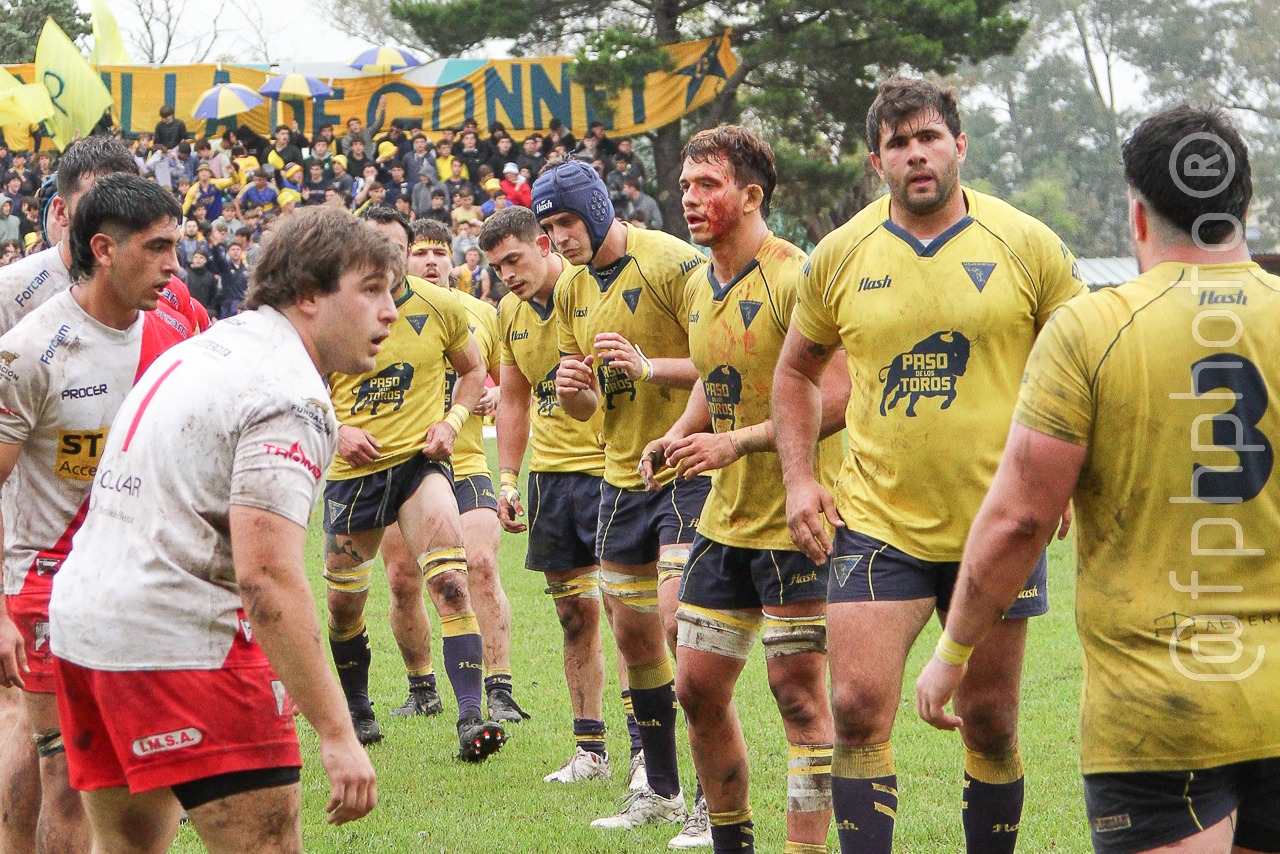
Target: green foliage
[[21, 22]]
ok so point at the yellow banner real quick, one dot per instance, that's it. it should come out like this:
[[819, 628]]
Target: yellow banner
[[524, 94], [77, 93]]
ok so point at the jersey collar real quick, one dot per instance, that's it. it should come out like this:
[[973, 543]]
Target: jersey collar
[[719, 291], [404, 297], [606, 277], [544, 312], [936, 244]]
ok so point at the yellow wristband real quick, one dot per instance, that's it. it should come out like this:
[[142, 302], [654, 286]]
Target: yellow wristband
[[951, 652], [456, 417], [508, 478]]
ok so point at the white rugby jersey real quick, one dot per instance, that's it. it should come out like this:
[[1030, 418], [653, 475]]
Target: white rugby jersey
[[238, 415], [30, 282], [63, 375]]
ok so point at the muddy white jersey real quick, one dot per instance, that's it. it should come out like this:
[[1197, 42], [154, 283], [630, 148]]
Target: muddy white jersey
[[27, 284], [238, 415], [63, 375]]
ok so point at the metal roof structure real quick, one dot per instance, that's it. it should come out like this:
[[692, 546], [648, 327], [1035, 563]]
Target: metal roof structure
[[1107, 272]]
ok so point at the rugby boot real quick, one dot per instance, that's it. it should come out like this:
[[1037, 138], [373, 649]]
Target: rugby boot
[[503, 708], [477, 739], [421, 701]]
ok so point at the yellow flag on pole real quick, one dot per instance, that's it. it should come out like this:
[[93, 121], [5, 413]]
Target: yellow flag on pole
[[77, 92], [108, 46]]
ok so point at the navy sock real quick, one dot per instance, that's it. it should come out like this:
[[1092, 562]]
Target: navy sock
[[352, 657], [864, 797], [589, 734], [733, 831], [633, 728], [426, 680], [463, 660], [992, 803], [656, 716], [500, 679]]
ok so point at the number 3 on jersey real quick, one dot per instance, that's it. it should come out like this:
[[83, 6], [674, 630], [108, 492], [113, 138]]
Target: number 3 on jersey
[[1234, 430]]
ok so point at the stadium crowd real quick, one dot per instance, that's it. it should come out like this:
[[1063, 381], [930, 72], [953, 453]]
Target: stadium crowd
[[380, 293]]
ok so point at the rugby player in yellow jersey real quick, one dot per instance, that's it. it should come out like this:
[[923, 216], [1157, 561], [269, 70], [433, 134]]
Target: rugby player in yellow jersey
[[743, 571], [564, 473], [388, 471], [624, 348], [936, 293], [1154, 405], [472, 481]]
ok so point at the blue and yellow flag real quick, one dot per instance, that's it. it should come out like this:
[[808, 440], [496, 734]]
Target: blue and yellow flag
[[108, 46], [78, 94]]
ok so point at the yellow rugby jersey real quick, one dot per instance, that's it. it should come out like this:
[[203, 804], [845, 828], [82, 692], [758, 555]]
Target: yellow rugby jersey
[[935, 340], [736, 330], [468, 449], [641, 297], [528, 342], [404, 394], [1170, 381]]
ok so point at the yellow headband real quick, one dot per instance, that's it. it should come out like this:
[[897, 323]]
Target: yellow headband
[[427, 244]]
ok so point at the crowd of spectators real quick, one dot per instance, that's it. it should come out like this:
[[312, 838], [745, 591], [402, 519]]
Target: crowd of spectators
[[234, 187]]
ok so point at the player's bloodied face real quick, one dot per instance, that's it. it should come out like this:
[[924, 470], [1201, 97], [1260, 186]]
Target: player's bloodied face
[[140, 265], [569, 234], [713, 202], [920, 160]]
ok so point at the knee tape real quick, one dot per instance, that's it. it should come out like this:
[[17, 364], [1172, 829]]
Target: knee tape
[[808, 777], [339, 635], [637, 592], [49, 744], [351, 579], [433, 562], [642, 677], [789, 635], [730, 633], [671, 563], [584, 587], [993, 768]]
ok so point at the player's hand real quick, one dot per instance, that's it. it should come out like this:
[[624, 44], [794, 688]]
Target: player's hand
[[934, 689], [575, 375], [509, 507], [13, 655], [807, 507], [700, 452], [1065, 527], [488, 402], [357, 447], [353, 787], [440, 438], [652, 458], [620, 353]]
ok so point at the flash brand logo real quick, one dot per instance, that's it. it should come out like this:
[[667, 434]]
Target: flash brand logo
[[543, 206], [165, 741], [474, 665], [294, 454]]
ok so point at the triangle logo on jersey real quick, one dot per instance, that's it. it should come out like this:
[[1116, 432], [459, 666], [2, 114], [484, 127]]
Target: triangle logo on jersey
[[335, 510], [631, 298], [979, 273], [844, 565], [749, 308], [417, 321]]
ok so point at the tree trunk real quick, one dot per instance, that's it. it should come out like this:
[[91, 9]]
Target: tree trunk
[[666, 140]]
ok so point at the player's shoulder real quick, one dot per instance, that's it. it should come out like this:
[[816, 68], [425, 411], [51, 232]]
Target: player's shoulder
[[423, 293], [33, 333], [1018, 229], [662, 255], [780, 258], [27, 280], [836, 246]]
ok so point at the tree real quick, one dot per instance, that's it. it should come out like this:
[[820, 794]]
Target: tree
[[805, 66], [21, 22]]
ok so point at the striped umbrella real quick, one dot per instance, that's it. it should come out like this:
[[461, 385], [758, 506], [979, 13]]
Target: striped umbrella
[[385, 59], [294, 86], [226, 99]]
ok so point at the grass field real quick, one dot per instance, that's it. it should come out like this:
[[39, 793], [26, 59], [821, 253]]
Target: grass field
[[429, 802]]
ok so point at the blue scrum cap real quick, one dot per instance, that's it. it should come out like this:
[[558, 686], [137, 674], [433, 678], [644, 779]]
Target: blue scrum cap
[[574, 187]]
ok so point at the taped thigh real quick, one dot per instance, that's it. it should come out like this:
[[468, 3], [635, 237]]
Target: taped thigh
[[351, 579], [730, 633], [583, 586], [637, 592], [789, 635], [671, 563], [49, 743], [434, 562]]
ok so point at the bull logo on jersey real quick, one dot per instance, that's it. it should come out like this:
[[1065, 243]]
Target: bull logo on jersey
[[929, 369], [387, 387], [613, 383], [723, 388], [6, 365], [545, 393]]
